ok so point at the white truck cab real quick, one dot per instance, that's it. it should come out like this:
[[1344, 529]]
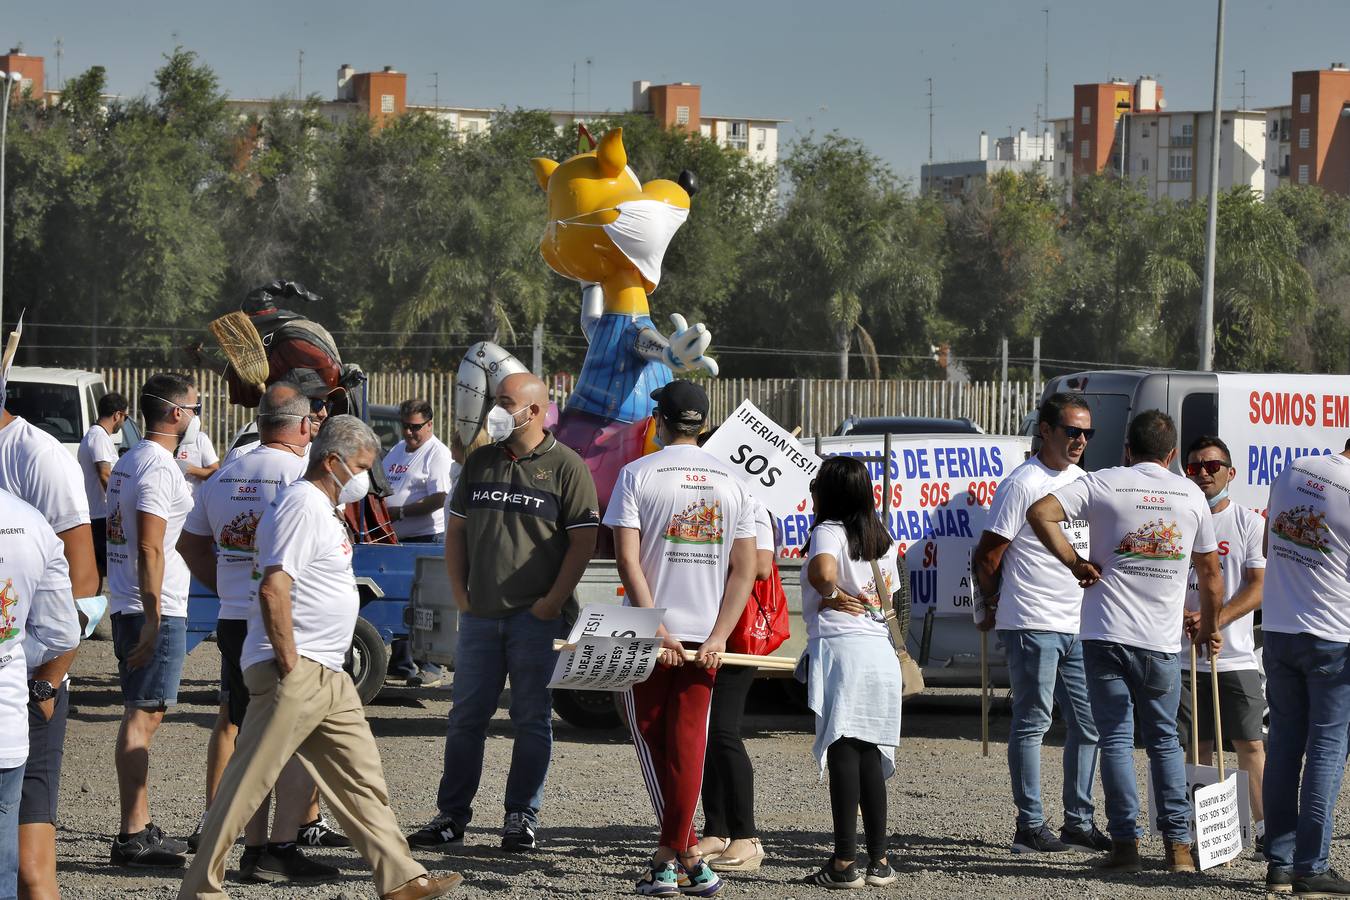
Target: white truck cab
[[62, 402]]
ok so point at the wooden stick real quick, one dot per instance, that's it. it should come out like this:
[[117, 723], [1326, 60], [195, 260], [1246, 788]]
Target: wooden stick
[[984, 693], [1218, 719], [1195, 719], [783, 663]]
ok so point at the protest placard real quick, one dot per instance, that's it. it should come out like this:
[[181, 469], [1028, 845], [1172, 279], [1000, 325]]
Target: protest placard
[[610, 648], [1218, 823], [1199, 778], [772, 464]]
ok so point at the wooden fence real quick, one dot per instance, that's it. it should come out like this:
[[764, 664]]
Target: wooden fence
[[817, 406]]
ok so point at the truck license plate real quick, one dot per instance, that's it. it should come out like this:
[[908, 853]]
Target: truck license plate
[[424, 620]]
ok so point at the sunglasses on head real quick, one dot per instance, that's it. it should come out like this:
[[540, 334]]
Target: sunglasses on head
[[1074, 432], [414, 427], [1212, 466]]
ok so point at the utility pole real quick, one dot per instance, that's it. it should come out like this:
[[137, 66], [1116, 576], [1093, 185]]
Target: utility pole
[[300, 75], [588, 84], [929, 188], [1212, 222], [1242, 146], [1045, 87], [574, 91], [1035, 361], [60, 52], [436, 92]]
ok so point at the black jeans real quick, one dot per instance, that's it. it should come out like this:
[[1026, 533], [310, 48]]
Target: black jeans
[[856, 779], [728, 777]]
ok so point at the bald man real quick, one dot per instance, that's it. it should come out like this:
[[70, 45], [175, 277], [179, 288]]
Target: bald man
[[522, 527]]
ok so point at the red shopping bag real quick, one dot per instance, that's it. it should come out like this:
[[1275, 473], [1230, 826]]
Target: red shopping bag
[[764, 625]]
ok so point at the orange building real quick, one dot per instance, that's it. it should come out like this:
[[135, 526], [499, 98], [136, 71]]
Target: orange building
[[30, 71], [1098, 109], [381, 95], [1320, 129], [676, 105]]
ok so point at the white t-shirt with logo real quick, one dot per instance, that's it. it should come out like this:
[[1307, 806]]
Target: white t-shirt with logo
[[689, 508], [855, 578], [35, 467], [302, 534], [96, 447], [199, 453], [1307, 588], [1145, 522], [1239, 531], [146, 479], [35, 609], [414, 476], [228, 509], [1036, 591]]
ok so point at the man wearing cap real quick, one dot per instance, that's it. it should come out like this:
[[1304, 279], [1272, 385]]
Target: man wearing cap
[[684, 539], [521, 529]]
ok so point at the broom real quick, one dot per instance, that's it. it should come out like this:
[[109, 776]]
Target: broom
[[243, 347]]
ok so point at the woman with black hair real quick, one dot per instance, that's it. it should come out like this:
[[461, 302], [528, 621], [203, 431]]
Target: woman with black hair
[[853, 678]]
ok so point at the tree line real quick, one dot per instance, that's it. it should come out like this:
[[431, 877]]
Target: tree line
[[132, 223]]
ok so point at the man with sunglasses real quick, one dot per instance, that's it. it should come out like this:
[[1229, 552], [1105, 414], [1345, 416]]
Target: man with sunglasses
[[1240, 532], [1034, 602]]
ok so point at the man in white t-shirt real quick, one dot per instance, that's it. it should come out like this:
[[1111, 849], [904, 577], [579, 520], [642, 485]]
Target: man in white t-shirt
[[300, 698], [148, 501], [1144, 524], [37, 614], [1240, 533], [96, 456], [1035, 603], [684, 539], [1305, 625], [198, 460], [218, 545]]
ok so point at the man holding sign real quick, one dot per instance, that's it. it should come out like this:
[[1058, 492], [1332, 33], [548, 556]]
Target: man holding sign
[[684, 538], [1145, 523]]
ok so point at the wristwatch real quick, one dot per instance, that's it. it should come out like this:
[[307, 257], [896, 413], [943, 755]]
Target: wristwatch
[[41, 691], [833, 595]]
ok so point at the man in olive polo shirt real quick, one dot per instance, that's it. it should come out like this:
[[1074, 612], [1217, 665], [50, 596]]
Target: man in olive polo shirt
[[521, 530]]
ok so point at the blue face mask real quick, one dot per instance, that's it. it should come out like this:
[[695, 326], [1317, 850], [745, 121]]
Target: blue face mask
[[1218, 498]]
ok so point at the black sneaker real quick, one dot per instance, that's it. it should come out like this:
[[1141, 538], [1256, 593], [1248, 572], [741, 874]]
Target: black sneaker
[[880, 875], [284, 863], [1279, 879], [439, 832], [320, 834], [1089, 838], [173, 845], [518, 832], [837, 879], [146, 849], [1037, 840], [248, 863], [194, 840], [1323, 884]]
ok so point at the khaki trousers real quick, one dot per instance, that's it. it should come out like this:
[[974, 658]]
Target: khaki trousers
[[316, 713]]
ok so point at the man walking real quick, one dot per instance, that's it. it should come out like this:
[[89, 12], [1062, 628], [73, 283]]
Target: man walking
[[1306, 630], [684, 538], [148, 500], [522, 528], [96, 456], [1240, 533], [1034, 603], [1144, 522], [301, 701], [218, 545]]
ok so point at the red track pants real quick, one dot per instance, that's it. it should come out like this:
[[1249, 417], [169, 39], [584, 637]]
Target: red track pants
[[668, 716]]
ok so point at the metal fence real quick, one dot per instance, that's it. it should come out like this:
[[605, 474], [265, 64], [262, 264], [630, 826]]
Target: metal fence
[[817, 406]]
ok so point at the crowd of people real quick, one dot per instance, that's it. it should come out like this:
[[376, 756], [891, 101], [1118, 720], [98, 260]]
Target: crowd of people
[[1098, 585]]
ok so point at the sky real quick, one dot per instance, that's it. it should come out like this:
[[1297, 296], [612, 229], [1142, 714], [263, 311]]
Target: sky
[[859, 67]]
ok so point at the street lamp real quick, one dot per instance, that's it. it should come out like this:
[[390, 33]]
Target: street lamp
[[8, 79]]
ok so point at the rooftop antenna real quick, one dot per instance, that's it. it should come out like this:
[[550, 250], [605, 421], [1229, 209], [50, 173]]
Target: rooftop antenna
[[574, 90], [436, 91], [1045, 85], [930, 135], [300, 75], [588, 83], [60, 51], [1244, 88]]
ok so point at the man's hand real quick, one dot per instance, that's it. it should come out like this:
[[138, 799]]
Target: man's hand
[[990, 617], [1190, 623], [1209, 640], [672, 651], [144, 651], [48, 708], [461, 600], [286, 664], [1087, 572], [545, 609], [709, 655]]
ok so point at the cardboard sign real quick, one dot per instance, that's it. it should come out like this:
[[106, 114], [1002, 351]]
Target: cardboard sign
[[1218, 834], [615, 647], [1197, 779], [771, 463]]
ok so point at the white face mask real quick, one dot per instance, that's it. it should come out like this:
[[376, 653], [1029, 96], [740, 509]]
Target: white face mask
[[194, 427], [501, 423], [356, 486]]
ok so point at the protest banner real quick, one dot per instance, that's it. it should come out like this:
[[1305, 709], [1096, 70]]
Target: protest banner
[[771, 463], [1218, 827], [610, 648], [1199, 778]]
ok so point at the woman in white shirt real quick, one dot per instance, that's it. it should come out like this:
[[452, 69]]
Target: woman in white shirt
[[853, 678]]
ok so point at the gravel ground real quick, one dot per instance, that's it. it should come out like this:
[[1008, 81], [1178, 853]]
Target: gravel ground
[[950, 812]]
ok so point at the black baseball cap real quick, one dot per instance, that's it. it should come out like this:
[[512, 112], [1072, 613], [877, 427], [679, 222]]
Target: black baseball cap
[[682, 403]]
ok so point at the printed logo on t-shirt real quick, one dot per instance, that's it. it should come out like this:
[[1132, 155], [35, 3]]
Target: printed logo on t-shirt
[[871, 597], [1156, 540], [513, 498], [241, 533], [396, 469], [115, 533], [8, 601], [1303, 526], [698, 524]]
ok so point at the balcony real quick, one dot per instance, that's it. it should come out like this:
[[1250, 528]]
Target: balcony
[[1181, 140]]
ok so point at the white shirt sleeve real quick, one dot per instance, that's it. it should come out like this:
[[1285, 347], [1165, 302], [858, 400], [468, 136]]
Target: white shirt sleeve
[[102, 447], [1076, 497], [438, 470], [622, 511], [52, 618], [154, 494], [1254, 556], [58, 490], [1008, 513], [207, 450], [764, 529], [198, 522], [745, 525], [1205, 541], [831, 541]]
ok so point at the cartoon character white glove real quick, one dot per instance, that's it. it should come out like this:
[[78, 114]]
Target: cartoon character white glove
[[683, 350]]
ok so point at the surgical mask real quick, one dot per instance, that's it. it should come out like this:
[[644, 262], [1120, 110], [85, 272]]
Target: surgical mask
[[1218, 498], [194, 427], [642, 231], [356, 486], [657, 439], [501, 423]]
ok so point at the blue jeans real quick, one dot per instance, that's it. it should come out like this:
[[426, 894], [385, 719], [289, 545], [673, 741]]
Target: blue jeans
[[488, 651], [1045, 667], [11, 790], [1122, 680], [1308, 689]]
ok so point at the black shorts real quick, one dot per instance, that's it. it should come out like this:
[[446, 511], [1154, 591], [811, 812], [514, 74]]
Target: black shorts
[[1242, 704], [230, 634], [100, 529], [42, 774]]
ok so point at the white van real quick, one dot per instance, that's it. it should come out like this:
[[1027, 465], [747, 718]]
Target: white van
[[63, 403]]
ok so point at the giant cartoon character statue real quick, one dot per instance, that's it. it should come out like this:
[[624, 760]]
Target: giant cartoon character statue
[[608, 231]]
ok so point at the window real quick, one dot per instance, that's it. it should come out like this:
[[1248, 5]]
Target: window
[[1199, 415], [386, 103], [681, 115], [760, 138], [51, 408], [1303, 174], [1179, 167], [1185, 138], [1305, 103], [1143, 164], [1304, 138], [1061, 169], [737, 134], [1083, 149], [1086, 115]]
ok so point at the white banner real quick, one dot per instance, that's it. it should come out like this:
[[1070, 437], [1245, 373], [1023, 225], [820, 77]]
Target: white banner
[[612, 648], [1199, 778], [1270, 421], [1218, 834], [772, 464]]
